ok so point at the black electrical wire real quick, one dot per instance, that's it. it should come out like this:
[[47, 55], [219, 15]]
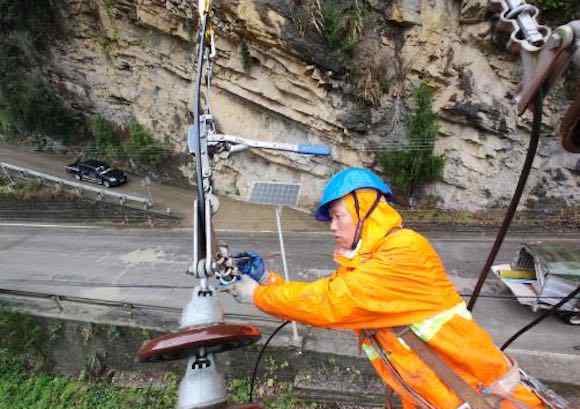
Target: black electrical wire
[[200, 156], [96, 285], [531, 154], [542, 317], [259, 359]]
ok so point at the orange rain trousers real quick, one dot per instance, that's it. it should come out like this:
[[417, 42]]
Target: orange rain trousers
[[395, 278]]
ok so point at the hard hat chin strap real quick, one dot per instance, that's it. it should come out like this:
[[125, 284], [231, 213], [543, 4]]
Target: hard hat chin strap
[[360, 222]]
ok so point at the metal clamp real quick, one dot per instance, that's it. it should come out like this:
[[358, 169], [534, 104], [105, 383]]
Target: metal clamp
[[541, 71], [527, 33]]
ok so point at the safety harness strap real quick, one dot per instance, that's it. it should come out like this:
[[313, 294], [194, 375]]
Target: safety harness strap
[[453, 381]]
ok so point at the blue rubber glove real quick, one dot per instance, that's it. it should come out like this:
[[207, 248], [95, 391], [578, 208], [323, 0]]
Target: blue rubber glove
[[252, 265]]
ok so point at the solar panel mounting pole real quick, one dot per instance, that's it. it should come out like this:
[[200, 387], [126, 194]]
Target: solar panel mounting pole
[[296, 339]]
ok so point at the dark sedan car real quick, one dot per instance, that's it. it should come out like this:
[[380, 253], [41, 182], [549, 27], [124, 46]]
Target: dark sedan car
[[97, 172]]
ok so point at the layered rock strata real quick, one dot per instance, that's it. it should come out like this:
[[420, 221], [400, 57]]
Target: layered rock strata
[[275, 79]]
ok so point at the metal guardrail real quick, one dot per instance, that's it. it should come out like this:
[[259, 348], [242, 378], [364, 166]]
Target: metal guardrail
[[101, 193]]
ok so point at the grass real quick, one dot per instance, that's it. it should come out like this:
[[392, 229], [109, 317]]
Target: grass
[[22, 390], [31, 189], [25, 383], [272, 393]]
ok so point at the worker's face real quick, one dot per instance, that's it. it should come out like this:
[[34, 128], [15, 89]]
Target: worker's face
[[342, 226]]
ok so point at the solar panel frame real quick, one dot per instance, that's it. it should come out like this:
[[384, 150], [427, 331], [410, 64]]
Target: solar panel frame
[[275, 193]]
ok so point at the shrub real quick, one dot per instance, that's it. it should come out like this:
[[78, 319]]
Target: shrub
[[107, 142], [557, 12], [339, 23], [114, 143], [142, 147], [28, 103], [341, 27], [245, 55], [416, 165]]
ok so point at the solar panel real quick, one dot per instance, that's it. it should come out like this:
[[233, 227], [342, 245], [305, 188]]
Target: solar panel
[[279, 194]]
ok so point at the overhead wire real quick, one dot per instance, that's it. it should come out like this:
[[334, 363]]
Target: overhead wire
[[96, 285], [531, 154], [540, 218], [113, 303], [542, 317]]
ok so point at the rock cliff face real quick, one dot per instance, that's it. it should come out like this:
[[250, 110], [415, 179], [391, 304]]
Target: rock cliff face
[[276, 79]]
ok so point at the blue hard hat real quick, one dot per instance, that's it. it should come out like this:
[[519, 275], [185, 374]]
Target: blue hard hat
[[345, 182]]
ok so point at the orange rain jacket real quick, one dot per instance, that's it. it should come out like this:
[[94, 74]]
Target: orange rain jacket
[[395, 278]]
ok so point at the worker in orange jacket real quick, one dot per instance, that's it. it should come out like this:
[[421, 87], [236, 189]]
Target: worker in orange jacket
[[389, 277]]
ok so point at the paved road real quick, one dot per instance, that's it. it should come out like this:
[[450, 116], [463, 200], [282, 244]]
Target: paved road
[[233, 214], [147, 267], [121, 254]]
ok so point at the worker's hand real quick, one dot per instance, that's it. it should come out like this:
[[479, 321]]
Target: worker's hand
[[243, 290], [252, 265]]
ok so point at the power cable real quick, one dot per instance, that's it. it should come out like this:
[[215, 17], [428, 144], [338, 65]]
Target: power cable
[[531, 154], [178, 287], [112, 303], [540, 318], [259, 359], [534, 140], [95, 285]]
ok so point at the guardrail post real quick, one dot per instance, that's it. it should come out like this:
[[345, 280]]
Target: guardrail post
[[124, 211], [11, 181]]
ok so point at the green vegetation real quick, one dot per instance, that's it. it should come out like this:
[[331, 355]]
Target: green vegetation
[[331, 25], [239, 390], [131, 143], [21, 334], [142, 147], [22, 390], [339, 23], [345, 27], [109, 8], [548, 5], [271, 392], [416, 165], [341, 27], [107, 142], [25, 384], [28, 103], [31, 189], [245, 56], [557, 12]]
